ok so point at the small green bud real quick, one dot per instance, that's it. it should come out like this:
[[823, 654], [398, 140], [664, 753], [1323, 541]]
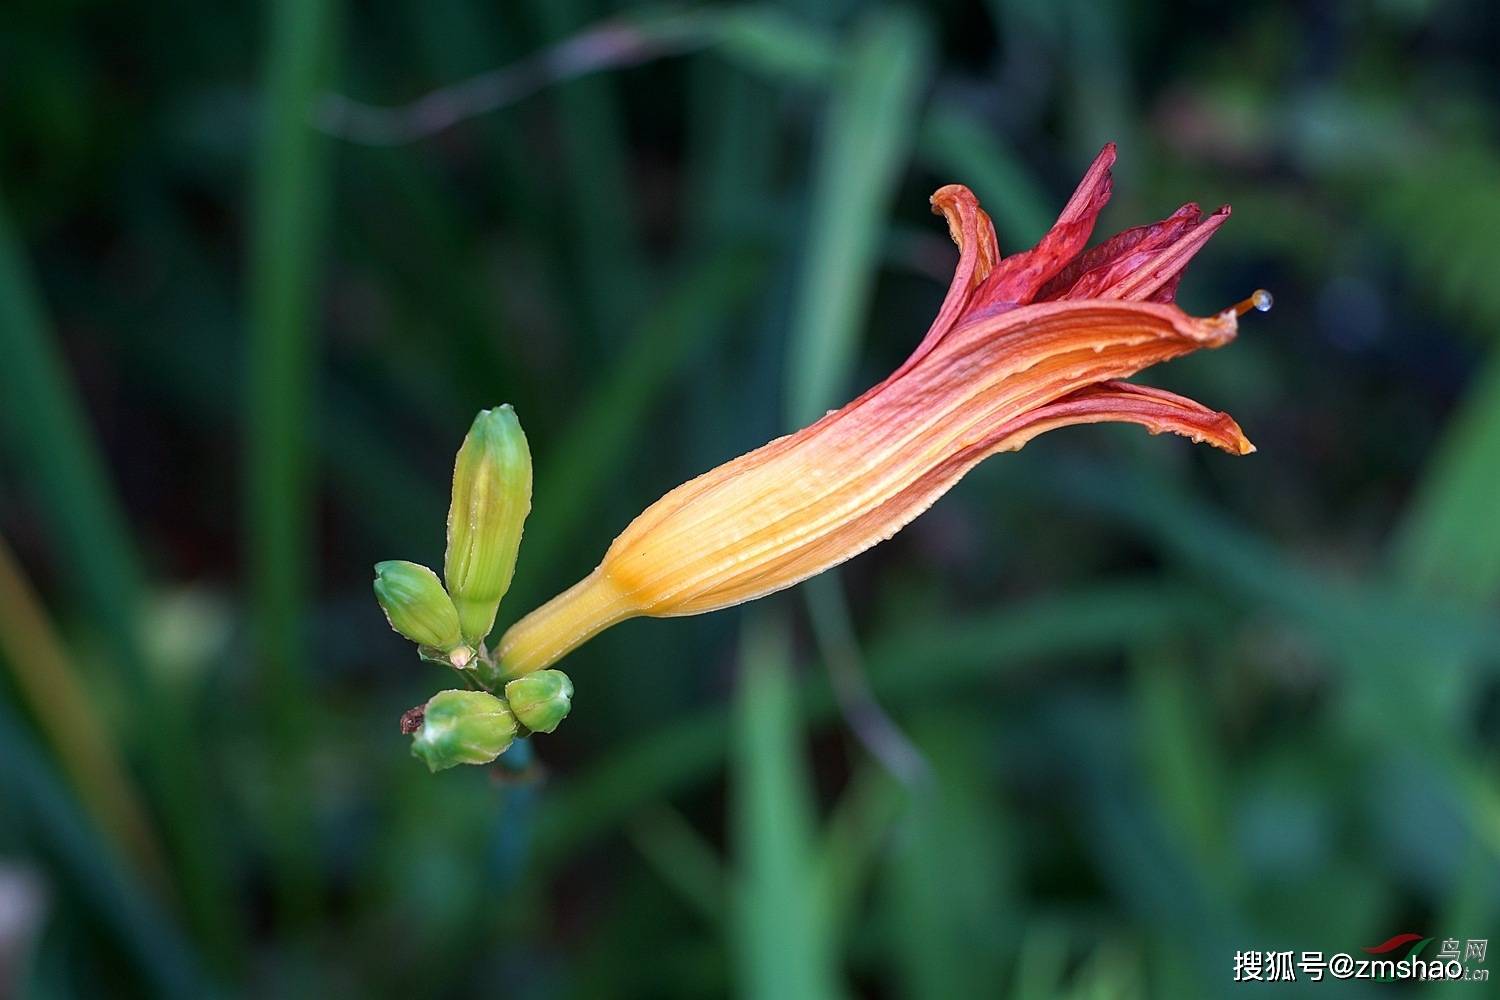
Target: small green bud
[[491, 498], [418, 607], [461, 727], [540, 700]]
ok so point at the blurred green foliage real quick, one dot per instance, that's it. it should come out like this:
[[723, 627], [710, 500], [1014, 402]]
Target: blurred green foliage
[[1168, 705]]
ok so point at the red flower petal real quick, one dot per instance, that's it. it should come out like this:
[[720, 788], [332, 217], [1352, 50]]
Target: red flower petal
[[1155, 409], [1103, 265], [1156, 279], [1018, 278]]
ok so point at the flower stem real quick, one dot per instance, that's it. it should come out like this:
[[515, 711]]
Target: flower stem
[[563, 623]]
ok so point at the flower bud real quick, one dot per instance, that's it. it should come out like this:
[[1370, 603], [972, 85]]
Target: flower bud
[[462, 727], [491, 498], [540, 700], [418, 607]]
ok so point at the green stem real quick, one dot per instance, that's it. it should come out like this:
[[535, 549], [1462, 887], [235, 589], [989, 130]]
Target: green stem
[[286, 234]]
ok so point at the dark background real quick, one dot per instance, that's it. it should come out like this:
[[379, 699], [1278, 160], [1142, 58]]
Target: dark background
[[1172, 705]]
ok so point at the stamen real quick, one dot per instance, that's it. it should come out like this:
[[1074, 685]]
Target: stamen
[[1260, 300]]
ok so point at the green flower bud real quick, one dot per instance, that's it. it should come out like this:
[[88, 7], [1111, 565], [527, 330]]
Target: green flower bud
[[540, 700], [461, 727], [418, 607], [491, 498]]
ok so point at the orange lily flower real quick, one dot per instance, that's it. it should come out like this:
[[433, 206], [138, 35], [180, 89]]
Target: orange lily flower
[[1021, 345]]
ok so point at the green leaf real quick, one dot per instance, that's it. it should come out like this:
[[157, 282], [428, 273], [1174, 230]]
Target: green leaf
[[48, 434], [971, 152], [1449, 542], [781, 936], [948, 924], [593, 196], [286, 233], [1182, 762], [923, 658], [34, 795], [871, 122], [602, 435]]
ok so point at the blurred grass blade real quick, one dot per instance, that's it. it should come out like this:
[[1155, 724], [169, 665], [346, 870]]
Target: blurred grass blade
[[683, 857], [968, 151], [187, 373], [781, 939], [853, 841], [284, 266], [943, 918], [758, 36], [1130, 850], [870, 125], [733, 143], [1042, 963], [47, 432], [64, 710], [33, 795], [436, 271], [923, 658], [833, 627], [1373, 632], [362, 463], [1183, 765], [782, 46], [1099, 78], [595, 197], [614, 43], [1346, 615], [1449, 543], [599, 441], [1113, 971]]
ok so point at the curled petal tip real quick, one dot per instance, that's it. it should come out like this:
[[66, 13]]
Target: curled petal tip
[[951, 194], [1214, 331], [1157, 410]]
